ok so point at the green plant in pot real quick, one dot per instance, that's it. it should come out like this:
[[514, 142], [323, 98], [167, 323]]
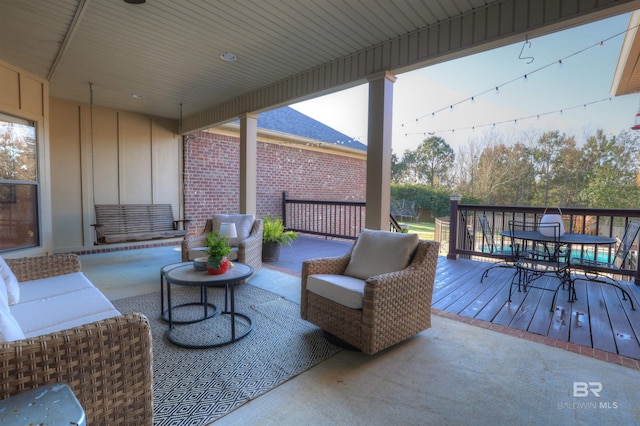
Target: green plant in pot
[[218, 249], [273, 237]]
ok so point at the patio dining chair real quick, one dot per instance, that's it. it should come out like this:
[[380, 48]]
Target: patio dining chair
[[540, 254], [601, 271], [507, 256]]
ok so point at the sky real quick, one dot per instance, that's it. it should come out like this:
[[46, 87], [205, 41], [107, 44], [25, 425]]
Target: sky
[[567, 88]]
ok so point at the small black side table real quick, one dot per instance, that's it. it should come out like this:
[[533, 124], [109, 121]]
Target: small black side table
[[209, 310]]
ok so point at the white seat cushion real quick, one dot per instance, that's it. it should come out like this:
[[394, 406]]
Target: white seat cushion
[[342, 289], [53, 286], [380, 252], [244, 223], [61, 302]]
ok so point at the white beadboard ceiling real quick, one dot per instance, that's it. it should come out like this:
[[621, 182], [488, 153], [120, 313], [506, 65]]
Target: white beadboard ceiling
[[168, 50]]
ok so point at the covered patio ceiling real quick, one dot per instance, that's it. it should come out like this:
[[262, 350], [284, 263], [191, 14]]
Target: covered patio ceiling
[[162, 57]]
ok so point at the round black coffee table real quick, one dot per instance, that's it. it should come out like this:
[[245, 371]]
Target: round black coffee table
[[186, 275]]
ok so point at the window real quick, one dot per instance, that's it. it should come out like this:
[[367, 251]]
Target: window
[[18, 184]]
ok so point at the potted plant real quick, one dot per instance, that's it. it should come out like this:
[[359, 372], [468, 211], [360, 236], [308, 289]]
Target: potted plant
[[273, 237], [218, 249]]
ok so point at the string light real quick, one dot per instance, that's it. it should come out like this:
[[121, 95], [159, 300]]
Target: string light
[[496, 89], [512, 120]]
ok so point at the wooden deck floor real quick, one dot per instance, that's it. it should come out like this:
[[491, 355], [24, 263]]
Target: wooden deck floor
[[599, 319]]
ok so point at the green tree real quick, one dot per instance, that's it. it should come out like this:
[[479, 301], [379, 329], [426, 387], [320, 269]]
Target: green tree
[[397, 169], [506, 175], [611, 170], [17, 151], [547, 156], [433, 160]]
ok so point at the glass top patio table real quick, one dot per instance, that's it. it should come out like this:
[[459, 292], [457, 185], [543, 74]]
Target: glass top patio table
[[567, 238]]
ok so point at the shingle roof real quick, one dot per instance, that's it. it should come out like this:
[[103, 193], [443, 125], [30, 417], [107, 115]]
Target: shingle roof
[[288, 120]]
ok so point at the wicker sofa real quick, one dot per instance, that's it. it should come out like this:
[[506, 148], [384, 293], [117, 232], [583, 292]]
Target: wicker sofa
[[248, 248], [370, 313], [107, 363]]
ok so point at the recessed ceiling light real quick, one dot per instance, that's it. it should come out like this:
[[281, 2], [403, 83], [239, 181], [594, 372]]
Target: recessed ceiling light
[[227, 56], [137, 96]]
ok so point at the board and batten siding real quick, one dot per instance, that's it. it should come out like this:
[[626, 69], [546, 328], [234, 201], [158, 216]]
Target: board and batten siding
[[129, 158], [26, 96]]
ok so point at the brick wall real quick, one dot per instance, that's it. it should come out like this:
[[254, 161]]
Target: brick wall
[[212, 177]]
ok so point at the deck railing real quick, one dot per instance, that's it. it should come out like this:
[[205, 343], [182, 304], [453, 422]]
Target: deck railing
[[467, 240], [336, 219]]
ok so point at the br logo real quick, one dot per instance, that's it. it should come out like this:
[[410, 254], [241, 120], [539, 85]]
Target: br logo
[[583, 389]]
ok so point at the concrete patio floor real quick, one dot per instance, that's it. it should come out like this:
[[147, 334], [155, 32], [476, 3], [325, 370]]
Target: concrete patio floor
[[451, 374]]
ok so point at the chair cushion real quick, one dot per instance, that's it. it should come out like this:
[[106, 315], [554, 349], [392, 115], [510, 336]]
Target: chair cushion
[[10, 282], [244, 223], [380, 252], [347, 291]]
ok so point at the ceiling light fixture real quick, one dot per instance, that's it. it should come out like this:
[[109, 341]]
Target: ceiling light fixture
[[227, 56], [137, 96], [134, 1]]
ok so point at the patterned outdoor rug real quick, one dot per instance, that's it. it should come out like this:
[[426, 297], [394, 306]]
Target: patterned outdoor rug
[[198, 386]]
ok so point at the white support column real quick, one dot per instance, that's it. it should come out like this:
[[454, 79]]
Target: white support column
[[378, 200], [248, 163]]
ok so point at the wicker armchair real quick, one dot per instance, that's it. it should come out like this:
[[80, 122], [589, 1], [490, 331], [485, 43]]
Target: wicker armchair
[[249, 249], [107, 364], [396, 305]]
